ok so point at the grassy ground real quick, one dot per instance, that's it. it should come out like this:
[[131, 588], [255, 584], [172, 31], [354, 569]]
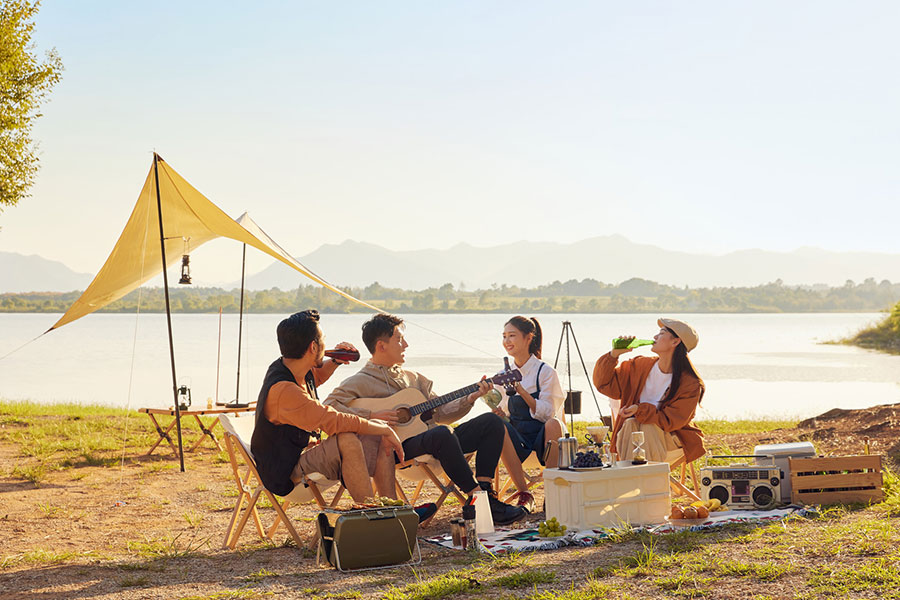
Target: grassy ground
[[61, 467]]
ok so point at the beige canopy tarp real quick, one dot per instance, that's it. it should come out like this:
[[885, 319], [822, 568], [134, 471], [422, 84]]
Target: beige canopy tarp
[[187, 216]]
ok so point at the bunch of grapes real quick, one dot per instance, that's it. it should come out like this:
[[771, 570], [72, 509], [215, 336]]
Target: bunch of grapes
[[551, 528], [587, 459]]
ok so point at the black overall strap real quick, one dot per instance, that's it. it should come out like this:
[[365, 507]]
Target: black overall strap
[[537, 380]]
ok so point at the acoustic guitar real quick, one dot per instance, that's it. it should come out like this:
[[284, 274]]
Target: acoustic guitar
[[413, 410]]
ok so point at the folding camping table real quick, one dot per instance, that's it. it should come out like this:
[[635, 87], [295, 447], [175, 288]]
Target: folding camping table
[[206, 432]]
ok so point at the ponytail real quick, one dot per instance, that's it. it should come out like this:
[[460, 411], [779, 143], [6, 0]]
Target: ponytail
[[537, 341], [526, 326]]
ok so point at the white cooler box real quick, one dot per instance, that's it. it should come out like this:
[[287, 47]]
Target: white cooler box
[[782, 453], [637, 495]]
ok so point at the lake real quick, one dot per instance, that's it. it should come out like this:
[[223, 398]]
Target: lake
[[754, 365]]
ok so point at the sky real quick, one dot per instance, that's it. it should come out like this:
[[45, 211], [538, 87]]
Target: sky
[[702, 126]]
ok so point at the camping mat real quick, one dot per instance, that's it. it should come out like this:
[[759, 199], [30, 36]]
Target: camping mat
[[526, 540]]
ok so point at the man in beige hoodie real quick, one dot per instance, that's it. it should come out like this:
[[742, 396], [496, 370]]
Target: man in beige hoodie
[[289, 415], [384, 376]]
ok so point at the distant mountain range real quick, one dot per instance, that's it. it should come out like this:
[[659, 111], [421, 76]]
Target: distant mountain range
[[20, 273], [610, 259]]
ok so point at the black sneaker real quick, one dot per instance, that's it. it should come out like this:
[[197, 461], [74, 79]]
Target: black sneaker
[[501, 512]]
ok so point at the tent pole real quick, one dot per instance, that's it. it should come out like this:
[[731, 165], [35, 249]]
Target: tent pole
[[162, 244], [218, 355], [237, 393]]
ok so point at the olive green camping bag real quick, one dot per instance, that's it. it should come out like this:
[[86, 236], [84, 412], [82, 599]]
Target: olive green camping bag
[[368, 538]]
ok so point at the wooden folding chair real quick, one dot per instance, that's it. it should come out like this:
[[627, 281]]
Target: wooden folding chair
[[676, 459], [238, 431], [533, 481], [421, 470]]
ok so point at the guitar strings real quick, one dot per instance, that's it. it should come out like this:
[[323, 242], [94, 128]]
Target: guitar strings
[[439, 400]]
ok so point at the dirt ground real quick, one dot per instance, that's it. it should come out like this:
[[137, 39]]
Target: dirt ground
[[837, 432], [145, 530]]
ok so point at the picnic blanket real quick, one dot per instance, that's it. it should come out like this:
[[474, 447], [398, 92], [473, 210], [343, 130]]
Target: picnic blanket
[[527, 540]]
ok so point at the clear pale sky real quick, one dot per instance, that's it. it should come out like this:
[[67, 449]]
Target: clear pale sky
[[701, 126]]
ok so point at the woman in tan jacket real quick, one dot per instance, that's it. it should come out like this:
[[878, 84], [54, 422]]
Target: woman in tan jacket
[[659, 395]]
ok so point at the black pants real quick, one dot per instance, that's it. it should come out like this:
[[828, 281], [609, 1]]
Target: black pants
[[482, 435]]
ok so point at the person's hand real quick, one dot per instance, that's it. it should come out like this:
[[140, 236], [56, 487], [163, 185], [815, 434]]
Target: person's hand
[[394, 443], [499, 412], [484, 386], [628, 411], [388, 416], [344, 346], [617, 352], [390, 436]]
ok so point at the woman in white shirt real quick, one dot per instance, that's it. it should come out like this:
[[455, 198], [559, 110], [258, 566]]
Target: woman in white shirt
[[535, 404]]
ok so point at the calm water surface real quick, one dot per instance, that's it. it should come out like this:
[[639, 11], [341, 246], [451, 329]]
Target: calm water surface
[[753, 365]]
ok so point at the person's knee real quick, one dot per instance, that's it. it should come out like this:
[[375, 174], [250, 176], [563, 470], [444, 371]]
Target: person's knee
[[348, 441], [440, 441], [441, 433], [553, 428], [492, 425]]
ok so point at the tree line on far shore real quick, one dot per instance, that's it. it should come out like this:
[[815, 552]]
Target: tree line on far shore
[[884, 336], [585, 296]]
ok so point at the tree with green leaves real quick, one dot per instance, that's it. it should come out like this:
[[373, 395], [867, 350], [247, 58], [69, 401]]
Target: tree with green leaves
[[25, 82]]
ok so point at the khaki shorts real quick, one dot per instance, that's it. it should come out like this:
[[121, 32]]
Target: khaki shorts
[[325, 458]]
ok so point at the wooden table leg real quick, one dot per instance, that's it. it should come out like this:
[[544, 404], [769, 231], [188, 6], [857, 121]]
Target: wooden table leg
[[163, 435], [212, 435], [204, 434]]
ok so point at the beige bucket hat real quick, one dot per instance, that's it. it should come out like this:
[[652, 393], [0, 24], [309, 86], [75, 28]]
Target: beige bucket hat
[[684, 331]]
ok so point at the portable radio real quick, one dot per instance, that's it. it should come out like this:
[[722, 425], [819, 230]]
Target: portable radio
[[742, 486]]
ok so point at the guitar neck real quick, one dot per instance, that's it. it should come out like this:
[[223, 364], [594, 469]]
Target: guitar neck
[[418, 409]]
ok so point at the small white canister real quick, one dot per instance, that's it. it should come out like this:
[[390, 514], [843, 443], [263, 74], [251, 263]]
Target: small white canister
[[484, 522]]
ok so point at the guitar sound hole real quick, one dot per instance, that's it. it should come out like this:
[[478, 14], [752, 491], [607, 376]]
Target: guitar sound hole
[[403, 415]]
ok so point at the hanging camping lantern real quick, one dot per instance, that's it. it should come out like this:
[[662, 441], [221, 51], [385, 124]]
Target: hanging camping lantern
[[185, 265], [573, 402], [185, 270]]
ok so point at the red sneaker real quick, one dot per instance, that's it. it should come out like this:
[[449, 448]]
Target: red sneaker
[[523, 499]]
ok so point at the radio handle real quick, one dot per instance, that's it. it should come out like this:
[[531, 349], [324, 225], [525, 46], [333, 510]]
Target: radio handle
[[769, 456]]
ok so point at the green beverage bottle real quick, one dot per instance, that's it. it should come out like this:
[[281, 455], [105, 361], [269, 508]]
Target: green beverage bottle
[[493, 399], [623, 343]]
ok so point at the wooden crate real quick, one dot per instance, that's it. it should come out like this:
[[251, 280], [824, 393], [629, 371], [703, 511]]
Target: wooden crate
[[836, 480]]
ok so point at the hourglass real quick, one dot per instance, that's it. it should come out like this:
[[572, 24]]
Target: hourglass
[[639, 456]]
